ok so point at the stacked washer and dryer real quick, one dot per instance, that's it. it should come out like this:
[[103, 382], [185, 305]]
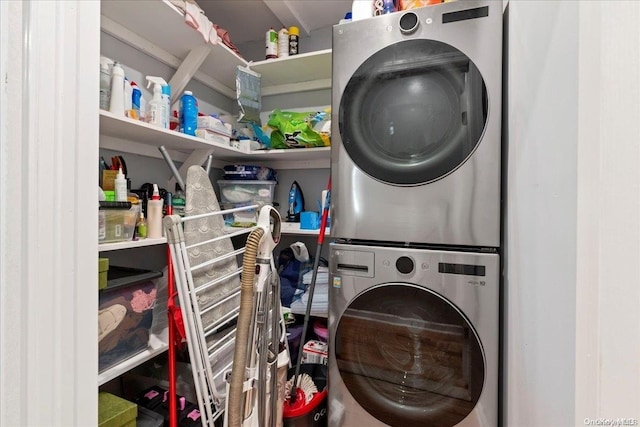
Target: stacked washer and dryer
[[415, 165]]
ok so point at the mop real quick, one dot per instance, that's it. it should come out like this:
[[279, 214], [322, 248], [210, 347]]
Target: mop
[[300, 389]]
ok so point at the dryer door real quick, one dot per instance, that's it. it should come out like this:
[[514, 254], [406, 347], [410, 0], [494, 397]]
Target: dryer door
[[413, 112], [409, 357]]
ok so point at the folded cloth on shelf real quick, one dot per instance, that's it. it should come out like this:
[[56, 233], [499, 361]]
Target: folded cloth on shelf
[[195, 18], [322, 276]]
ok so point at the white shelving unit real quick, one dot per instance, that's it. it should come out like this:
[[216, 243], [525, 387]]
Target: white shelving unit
[[130, 363], [105, 247], [134, 136], [169, 39], [158, 29]]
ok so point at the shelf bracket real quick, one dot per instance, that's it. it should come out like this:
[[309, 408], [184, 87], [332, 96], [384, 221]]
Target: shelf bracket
[[186, 71]]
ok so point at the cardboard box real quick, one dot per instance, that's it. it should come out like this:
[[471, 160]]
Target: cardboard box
[[315, 352], [103, 269], [114, 411]]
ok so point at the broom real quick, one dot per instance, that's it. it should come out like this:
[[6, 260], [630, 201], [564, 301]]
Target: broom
[[299, 391]]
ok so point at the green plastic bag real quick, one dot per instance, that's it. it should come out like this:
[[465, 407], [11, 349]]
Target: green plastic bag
[[296, 130]]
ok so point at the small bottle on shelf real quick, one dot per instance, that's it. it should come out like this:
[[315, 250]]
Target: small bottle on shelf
[[188, 113], [271, 40], [154, 215], [120, 185], [294, 39], [142, 226]]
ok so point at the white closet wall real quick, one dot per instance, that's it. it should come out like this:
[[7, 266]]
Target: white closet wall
[[572, 241], [48, 199]]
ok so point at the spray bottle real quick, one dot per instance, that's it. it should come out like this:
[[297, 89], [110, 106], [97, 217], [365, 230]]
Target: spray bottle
[[154, 215], [157, 106], [166, 99]]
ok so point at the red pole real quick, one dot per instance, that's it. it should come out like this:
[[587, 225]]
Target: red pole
[[171, 288]]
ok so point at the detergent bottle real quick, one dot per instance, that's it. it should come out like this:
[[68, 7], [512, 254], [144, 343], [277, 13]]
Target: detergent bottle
[[188, 113]]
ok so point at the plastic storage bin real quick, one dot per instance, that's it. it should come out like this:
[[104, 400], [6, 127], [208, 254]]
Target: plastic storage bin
[[117, 225], [245, 218], [314, 413], [238, 191], [125, 314]]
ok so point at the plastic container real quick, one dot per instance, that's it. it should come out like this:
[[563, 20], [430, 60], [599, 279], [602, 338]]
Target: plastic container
[[313, 414], [119, 224], [321, 331], [116, 100], [120, 185], [188, 113], [271, 41], [125, 314], [154, 215], [246, 191], [136, 97], [249, 172], [294, 40], [178, 201], [148, 418], [166, 104], [244, 218], [283, 43], [105, 82]]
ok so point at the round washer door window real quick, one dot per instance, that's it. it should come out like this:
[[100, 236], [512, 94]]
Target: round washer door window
[[409, 357], [413, 112]]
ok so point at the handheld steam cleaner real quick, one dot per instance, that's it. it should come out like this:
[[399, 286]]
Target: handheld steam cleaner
[[255, 384]]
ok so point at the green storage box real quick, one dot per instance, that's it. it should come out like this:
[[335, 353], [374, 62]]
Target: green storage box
[[114, 411], [103, 268]]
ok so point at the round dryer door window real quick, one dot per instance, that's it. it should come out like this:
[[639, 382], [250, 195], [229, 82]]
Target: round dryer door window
[[413, 112], [409, 357]]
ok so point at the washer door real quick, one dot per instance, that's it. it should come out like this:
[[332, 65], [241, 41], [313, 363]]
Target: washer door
[[409, 357], [413, 112]]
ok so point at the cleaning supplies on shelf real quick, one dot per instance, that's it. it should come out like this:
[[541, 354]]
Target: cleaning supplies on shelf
[[154, 215], [105, 82], [116, 100], [188, 113], [142, 226], [136, 99], [294, 36], [166, 100], [128, 98], [158, 113], [271, 41], [283, 43], [120, 185]]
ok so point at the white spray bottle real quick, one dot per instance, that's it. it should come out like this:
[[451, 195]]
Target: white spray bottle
[[157, 112]]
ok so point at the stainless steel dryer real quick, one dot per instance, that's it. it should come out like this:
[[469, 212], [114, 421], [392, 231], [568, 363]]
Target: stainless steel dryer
[[416, 126], [413, 337]]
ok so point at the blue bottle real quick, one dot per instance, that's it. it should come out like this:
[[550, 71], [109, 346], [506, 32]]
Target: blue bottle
[[188, 113]]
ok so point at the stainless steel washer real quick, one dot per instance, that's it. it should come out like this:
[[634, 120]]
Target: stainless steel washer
[[416, 126], [413, 337]]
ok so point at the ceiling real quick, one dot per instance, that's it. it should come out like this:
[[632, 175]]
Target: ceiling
[[249, 20]]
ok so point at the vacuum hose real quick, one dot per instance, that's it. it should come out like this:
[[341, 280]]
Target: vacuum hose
[[235, 400]]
